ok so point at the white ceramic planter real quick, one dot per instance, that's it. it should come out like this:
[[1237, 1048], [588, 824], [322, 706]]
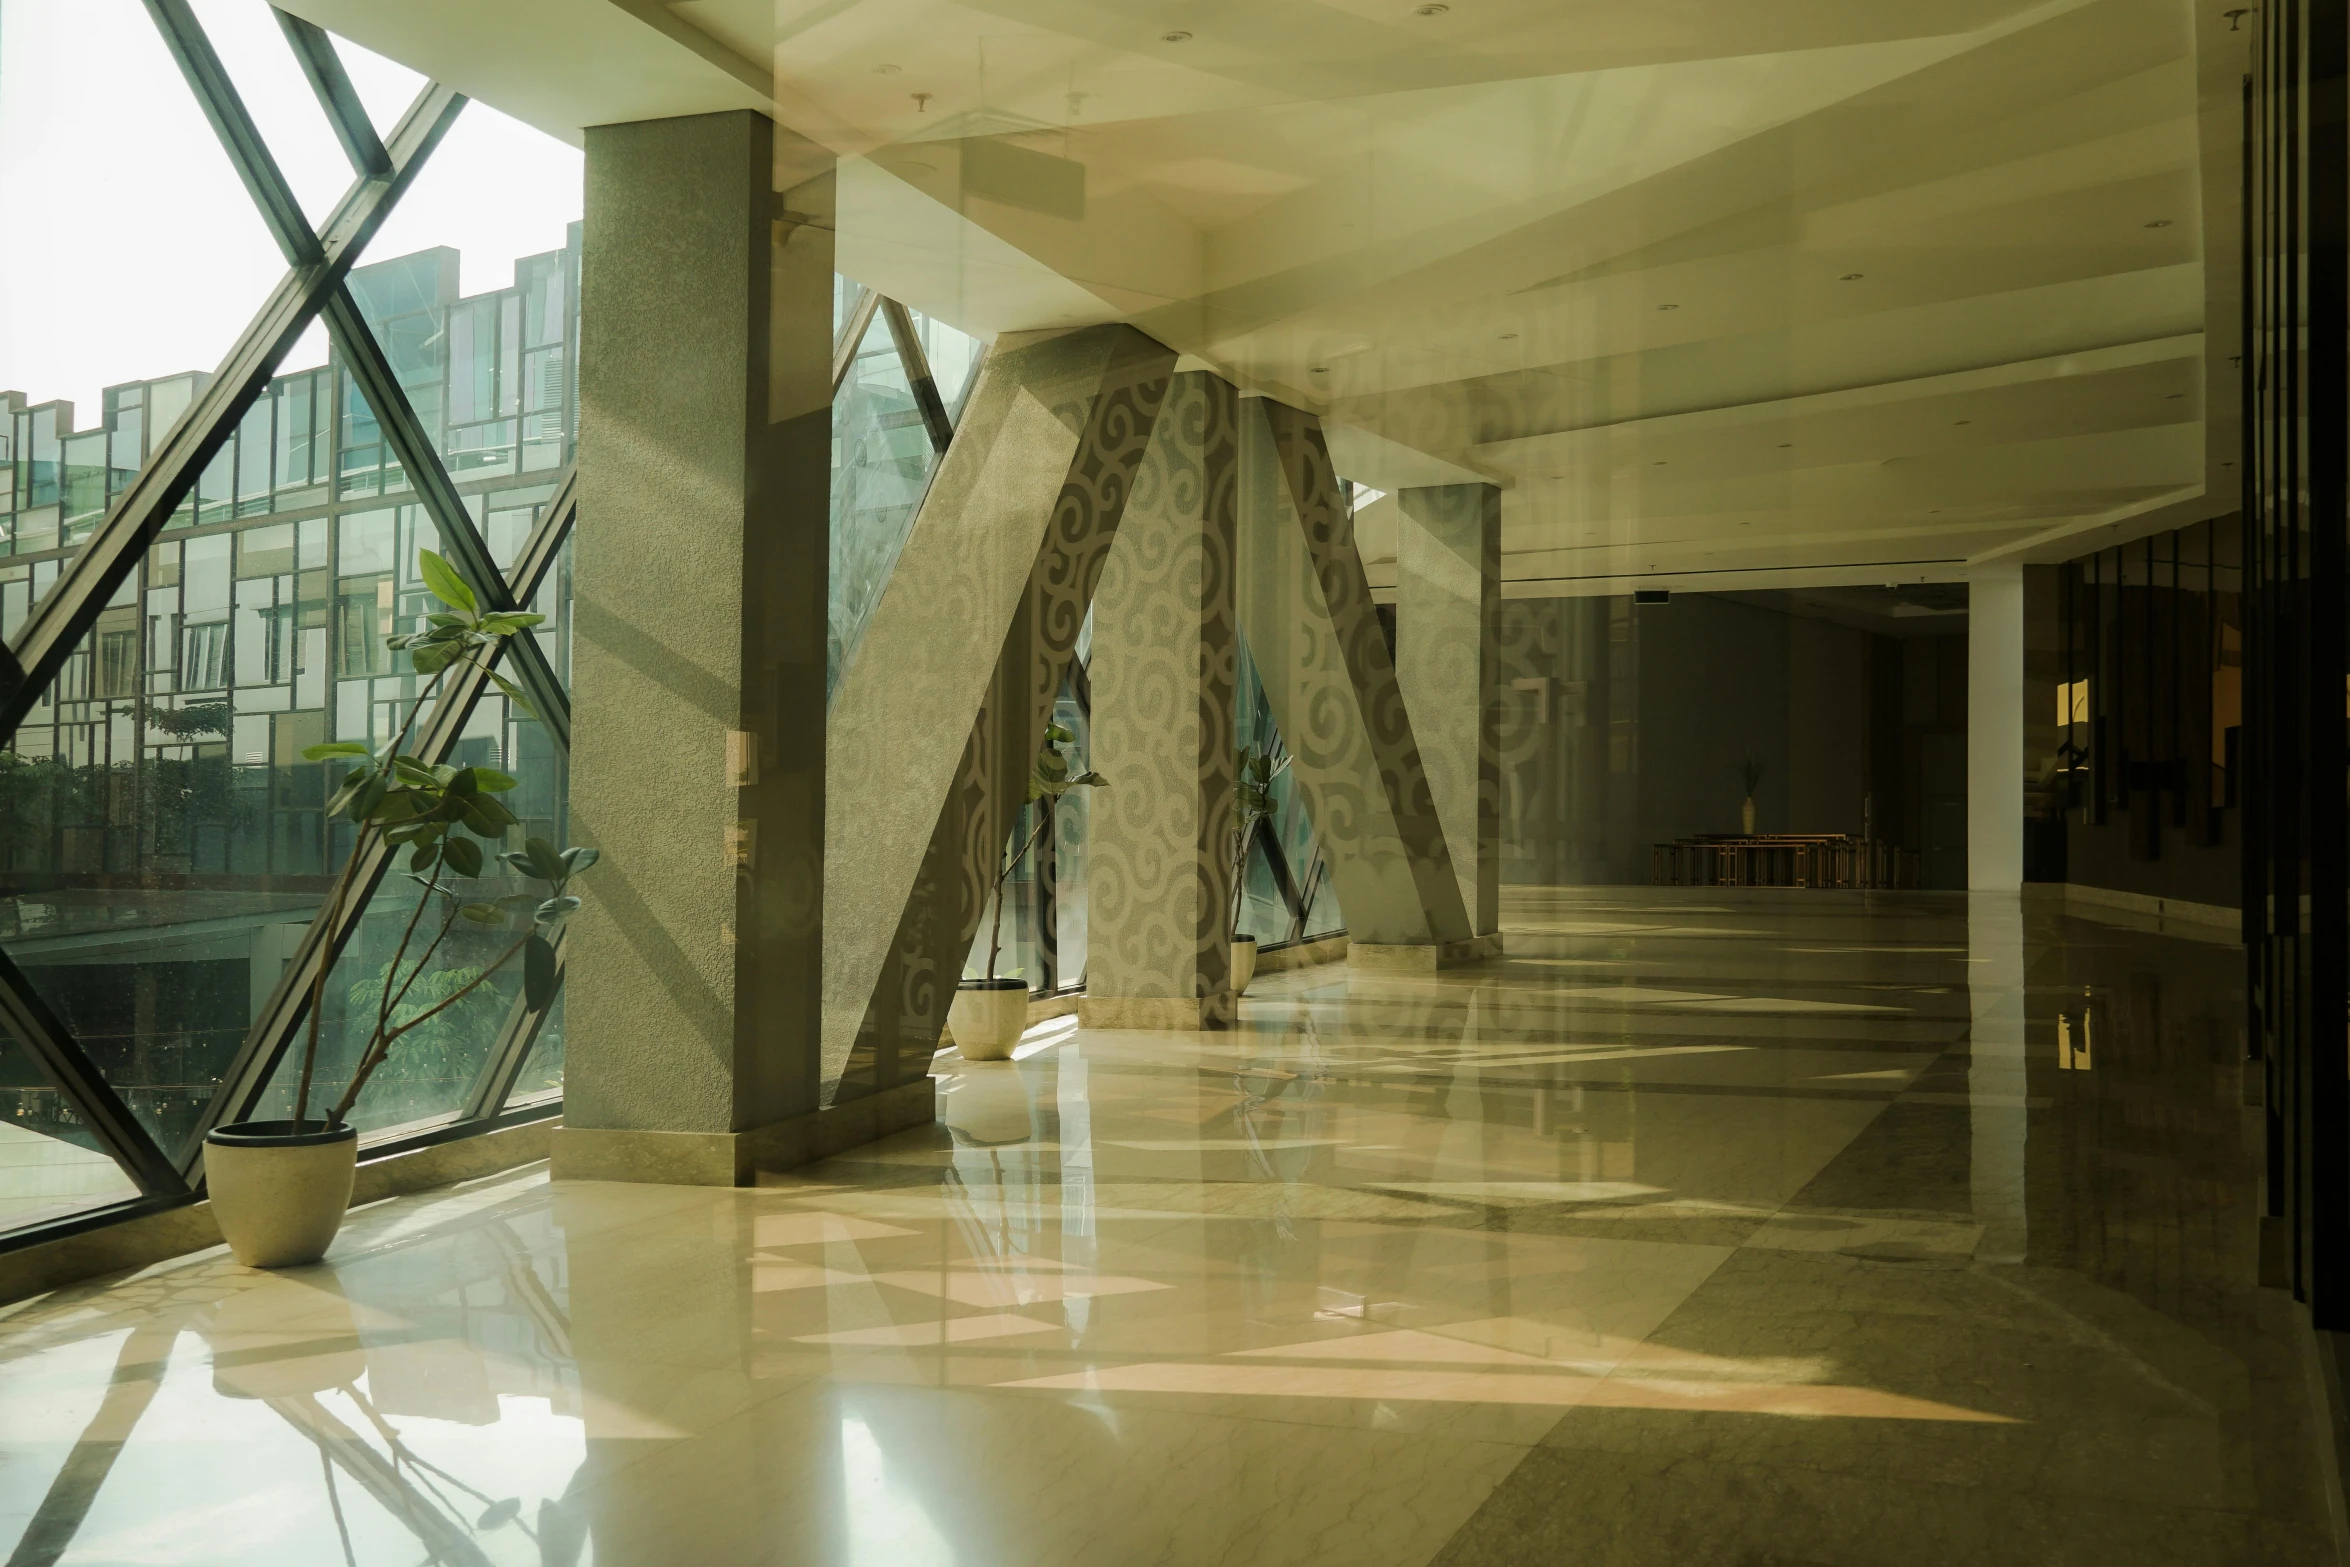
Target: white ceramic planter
[[278, 1194], [1244, 963], [988, 1017]]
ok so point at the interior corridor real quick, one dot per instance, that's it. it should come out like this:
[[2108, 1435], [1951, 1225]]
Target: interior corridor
[[1707, 1227]]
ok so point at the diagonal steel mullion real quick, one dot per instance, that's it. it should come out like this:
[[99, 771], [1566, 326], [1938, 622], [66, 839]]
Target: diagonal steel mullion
[[919, 380], [51, 1044], [495, 1081], [363, 357], [217, 95], [324, 67], [284, 1014], [852, 336], [129, 528]]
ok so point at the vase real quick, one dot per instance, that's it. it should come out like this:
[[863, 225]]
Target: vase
[[279, 1192], [1244, 963], [1746, 817], [988, 1016]]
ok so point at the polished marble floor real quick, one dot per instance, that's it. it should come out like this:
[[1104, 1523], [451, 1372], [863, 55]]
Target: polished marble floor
[[1739, 1228]]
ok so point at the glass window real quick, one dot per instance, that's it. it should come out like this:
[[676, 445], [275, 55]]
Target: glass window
[[50, 1165]]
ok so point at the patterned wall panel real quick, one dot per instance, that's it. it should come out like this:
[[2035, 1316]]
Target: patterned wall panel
[[937, 717], [1160, 864], [1306, 610], [1448, 615]]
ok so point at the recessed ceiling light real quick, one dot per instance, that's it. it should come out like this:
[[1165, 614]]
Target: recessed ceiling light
[[1962, 421], [2159, 223], [1430, 10], [1660, 462], [1668, 307], [885, 70], [1508, 336], [1786, 446], [1178, 36], [1317, 369], [1849, 277], [2172, 397]]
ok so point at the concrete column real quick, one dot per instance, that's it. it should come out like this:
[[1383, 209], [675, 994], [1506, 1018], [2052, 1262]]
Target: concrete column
[[697, 766], [939, 712], [1447, 662], [1305, 608], [1995, 731], [1159, 837]]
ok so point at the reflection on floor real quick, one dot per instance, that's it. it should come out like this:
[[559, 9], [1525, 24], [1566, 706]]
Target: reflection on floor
[[1706, 1228]]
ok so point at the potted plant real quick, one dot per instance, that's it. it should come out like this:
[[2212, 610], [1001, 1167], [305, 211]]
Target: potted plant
[[1252, 788], [279, 1188], [1751, 771], [988, 1014]]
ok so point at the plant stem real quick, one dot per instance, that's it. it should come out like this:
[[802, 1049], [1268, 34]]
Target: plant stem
[[386, 1001], [995, 935], [383, 1046], [334, 918]]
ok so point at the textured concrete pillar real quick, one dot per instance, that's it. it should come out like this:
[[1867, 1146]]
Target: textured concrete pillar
[[940, 711], [1447, 662], [1305, 609], [691, 1009], [1159, 835], [1995, 731]]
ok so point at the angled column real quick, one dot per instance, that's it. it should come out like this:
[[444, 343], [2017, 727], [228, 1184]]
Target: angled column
[[1159, 833], [939, 712], [1447, 662], [1305, 609], [697, 765]]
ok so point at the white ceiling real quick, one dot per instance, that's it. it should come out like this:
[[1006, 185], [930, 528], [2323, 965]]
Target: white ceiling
[[1726, 294]]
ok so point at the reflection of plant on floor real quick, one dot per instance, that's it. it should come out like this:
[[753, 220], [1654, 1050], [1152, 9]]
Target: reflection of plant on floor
[[407, 803]]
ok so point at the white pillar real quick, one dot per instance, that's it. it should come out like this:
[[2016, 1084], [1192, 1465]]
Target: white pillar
[[1995, 731]]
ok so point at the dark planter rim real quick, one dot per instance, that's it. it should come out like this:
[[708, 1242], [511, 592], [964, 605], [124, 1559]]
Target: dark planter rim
[[1237, 940], [991, 984], [279, 1134]]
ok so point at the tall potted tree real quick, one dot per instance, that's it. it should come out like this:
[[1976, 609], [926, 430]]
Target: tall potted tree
[[989, 1014], [1253, 773], [279, 1188]]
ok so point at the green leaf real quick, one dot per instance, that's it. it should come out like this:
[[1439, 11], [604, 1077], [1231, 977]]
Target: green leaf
[[538, 973], [577, 860], [486, 817], [447, 618], [484, 914], [493, 781], [556, 910], [414, 773], [463, 855], [444, 582], [369, 799], [425, 855], [1087, 781], [506, 622], [515, 695], [319, 753], [546, 862], [433, 659]]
